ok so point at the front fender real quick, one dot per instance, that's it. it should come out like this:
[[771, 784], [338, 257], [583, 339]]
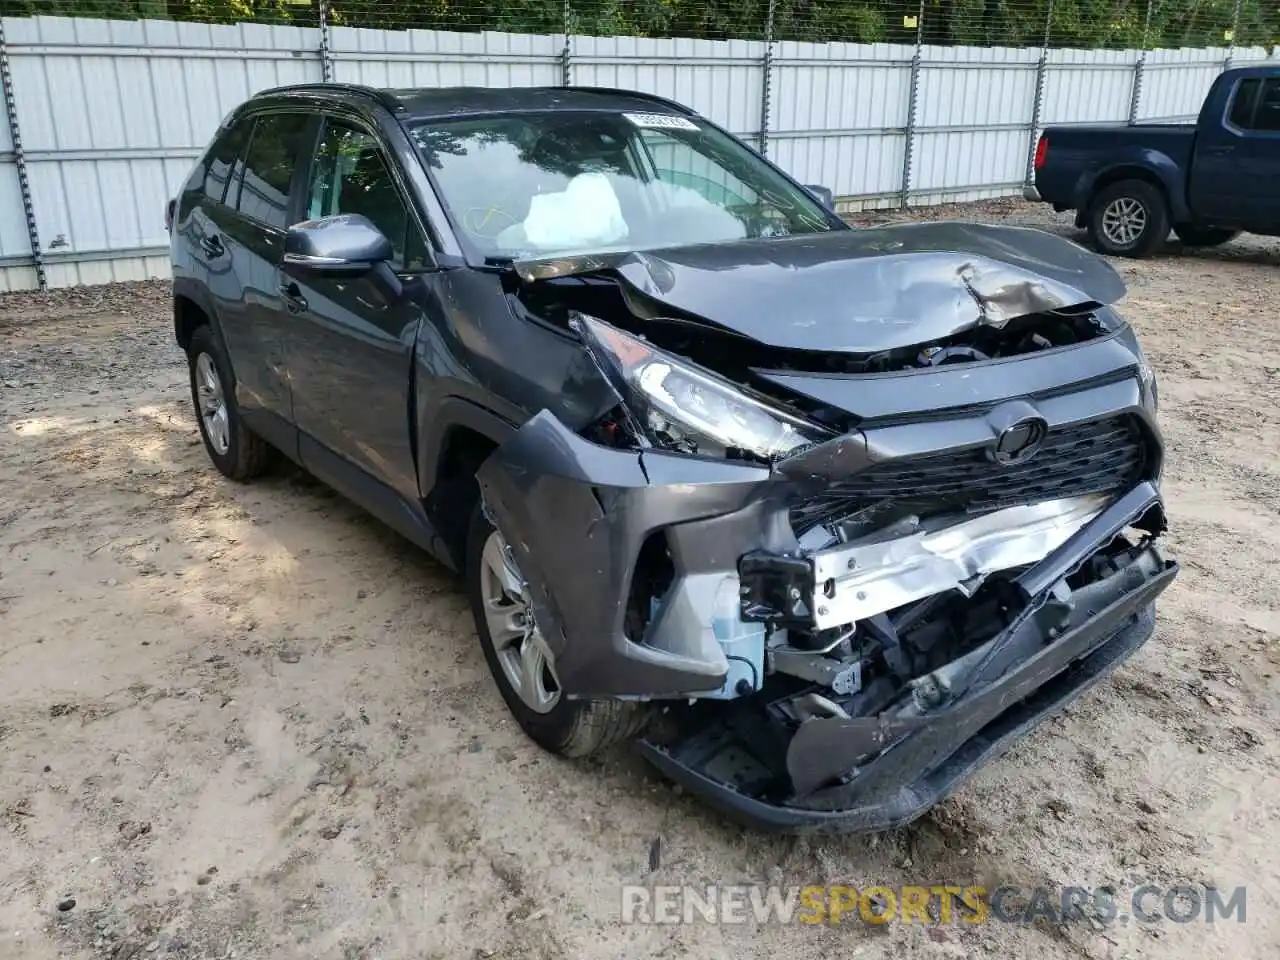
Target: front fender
[[576, 515], [435, 422]]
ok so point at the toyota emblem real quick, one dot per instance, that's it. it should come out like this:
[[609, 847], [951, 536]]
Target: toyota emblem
[[1018, 442]]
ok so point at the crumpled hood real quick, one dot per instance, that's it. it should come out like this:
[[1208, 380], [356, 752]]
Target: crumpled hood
[[862, 290]]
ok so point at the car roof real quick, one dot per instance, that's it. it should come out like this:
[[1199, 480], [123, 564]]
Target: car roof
[[426, 103], [1255, 70]]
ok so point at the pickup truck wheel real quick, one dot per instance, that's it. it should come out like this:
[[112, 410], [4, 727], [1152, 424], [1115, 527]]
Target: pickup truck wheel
[[1194, 236], [235, 450], [524, 667], [1129, 219]]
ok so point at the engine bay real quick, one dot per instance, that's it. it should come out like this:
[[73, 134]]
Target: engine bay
[[741, 360], [556, 299]]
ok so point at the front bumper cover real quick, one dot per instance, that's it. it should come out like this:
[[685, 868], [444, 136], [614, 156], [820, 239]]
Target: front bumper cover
[[962, 742], [578, 515], [873, 773]]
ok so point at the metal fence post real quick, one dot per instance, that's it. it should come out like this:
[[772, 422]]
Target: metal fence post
[[913, 100], [766, 84], [566, 54], [1231, 43], [20, 161], [1037, 106], [1140, 66], [326, 59]]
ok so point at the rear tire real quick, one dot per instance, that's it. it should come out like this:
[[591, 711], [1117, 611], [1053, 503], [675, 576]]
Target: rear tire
[[1193, 236], [571, 728], [1129, 219], [235, 450]]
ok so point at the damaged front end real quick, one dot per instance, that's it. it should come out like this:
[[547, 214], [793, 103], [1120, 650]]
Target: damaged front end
[[854, 598]]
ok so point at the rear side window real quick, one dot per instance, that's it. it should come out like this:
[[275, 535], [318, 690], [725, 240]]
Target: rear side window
[[1267, 116], [263, 189], [223, 156], [1256, 105]]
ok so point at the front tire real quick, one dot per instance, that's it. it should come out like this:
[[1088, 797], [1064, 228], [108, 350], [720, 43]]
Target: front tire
[[523, 666], [1193, 236], [235, 450], [1129, 219]]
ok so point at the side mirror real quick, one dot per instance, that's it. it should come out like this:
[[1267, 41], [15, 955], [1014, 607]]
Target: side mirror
[[346, 244], [823, 195]]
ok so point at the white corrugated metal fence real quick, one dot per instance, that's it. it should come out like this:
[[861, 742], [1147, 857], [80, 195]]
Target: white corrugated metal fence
[[113, 113]]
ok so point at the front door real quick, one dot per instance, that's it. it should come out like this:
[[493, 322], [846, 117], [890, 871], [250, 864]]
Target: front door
[[1235, 177], [1259, 172], [350, 352]]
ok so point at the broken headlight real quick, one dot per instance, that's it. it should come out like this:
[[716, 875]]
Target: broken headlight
[[682, 407]]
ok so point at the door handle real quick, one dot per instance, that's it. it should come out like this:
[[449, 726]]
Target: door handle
[[212, 246], [1220, 151], [294, 301]]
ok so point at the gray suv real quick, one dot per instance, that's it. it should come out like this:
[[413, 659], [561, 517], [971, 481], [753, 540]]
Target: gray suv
[[821, 518]]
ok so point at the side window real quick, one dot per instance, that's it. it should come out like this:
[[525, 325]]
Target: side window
[[1242, 104], [350, 175], [223, 157], [1267, 116], [263, 190]]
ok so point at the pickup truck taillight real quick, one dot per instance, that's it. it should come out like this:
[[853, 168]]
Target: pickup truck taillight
[[1042, 150]]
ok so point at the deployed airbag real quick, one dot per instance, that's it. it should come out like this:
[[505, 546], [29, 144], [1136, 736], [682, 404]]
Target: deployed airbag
[[585, 213]]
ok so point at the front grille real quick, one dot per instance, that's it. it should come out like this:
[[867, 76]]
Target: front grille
[[1101, 456]]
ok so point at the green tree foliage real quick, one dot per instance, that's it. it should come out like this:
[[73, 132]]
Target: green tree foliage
[[1075, 23]]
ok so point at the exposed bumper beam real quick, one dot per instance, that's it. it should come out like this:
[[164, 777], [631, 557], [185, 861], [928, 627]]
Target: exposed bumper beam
[[860, 580]]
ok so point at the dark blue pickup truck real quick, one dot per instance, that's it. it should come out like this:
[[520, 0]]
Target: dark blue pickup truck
[[1207, 181]]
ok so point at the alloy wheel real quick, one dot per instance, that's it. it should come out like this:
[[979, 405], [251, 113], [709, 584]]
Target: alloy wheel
[[213, 404], [526, 661], [1123, 221]]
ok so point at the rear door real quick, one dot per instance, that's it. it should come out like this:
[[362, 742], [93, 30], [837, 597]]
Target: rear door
[[202, 250], [250, 234], [1235, 176], [198, 219], [350, 352]]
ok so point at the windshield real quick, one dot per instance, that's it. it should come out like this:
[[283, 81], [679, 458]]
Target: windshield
[[536, 184]]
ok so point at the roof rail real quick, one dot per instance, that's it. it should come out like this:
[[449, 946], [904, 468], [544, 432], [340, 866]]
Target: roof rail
[[384, 97], [639, 95]]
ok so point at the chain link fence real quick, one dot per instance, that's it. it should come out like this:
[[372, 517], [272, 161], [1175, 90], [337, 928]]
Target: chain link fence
[[1080, 24], [888, 102]]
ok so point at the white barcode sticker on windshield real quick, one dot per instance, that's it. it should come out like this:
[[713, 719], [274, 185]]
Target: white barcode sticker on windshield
[[660, 121]]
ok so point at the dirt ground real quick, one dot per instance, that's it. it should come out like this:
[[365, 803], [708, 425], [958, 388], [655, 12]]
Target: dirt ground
[[250, 722]]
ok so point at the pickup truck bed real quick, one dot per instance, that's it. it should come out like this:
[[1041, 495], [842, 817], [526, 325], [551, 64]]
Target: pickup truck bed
[[1130, 184]]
